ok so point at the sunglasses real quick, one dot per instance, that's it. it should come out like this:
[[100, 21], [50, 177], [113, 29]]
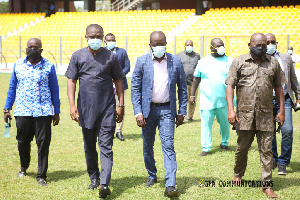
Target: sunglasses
[[272, 42]]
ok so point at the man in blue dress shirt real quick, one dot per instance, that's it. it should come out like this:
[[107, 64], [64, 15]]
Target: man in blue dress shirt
[[34, 85]]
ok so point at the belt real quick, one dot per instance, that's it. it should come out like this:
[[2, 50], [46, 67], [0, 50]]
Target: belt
[[160, 104], [285, 96]]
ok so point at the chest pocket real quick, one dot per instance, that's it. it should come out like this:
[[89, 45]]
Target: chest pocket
[[266, 74], [248, 75]]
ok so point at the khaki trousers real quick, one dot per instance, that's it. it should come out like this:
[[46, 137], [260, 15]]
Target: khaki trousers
[[190, 106], [119, 126], [244, 141]]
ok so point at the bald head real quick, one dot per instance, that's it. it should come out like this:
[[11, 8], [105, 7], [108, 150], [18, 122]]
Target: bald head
[[270, 37], [258, 39], [93, 26], [158, 36], [216, 42], [34, 42], [189, 43]]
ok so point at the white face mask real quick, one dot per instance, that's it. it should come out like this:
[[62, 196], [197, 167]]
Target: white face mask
[[221, 50], [290, 52], [189, 49]]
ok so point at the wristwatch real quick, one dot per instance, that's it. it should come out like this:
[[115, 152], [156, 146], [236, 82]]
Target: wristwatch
[[122, 106], [6, 110]]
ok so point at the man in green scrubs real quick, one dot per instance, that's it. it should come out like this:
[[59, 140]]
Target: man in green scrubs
[[212, 71]]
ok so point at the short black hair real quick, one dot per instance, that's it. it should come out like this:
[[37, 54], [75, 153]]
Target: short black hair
[[93, 26], [110, 34]]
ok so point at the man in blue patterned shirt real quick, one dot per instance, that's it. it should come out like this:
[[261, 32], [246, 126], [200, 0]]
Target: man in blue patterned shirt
[[34, 85]]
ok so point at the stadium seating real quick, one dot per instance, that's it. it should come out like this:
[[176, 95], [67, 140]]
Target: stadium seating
[[136, 25], [236, 25], [233, 25], [9, 22]]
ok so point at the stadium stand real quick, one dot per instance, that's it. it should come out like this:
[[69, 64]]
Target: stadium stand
[[9, 22], [241, 23], [137, 25], [233, 25]]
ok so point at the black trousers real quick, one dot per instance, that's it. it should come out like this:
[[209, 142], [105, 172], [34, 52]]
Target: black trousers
[[27, 128], [105, 135]]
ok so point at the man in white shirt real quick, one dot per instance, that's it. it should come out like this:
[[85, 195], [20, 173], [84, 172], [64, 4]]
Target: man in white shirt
[[295, 57]]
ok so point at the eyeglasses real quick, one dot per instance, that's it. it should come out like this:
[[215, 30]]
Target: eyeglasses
[[272, 42]]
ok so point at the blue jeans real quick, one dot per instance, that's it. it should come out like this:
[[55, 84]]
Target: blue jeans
[[287, 134], [160, 116]]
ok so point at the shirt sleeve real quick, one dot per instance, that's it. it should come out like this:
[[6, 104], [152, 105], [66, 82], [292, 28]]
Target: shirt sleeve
[[232, 75], [197, 72], [116, 70], [73, 69], [127, 64], [54, 89], [279, 78], [11, 94]]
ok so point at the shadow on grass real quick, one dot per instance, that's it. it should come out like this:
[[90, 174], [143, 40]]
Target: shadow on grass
[[280, 183], [232, 148], [183, 184], [293, 167], [133, 136], [60, 175]]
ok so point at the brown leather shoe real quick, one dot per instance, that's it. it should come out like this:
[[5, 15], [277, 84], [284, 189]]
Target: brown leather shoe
[[269, 192], [236, 180]]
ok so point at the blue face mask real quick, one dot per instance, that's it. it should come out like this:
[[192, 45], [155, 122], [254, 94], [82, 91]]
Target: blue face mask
[[95, 44], [271, 49], [159, 51], [189, 49], [111, 45]]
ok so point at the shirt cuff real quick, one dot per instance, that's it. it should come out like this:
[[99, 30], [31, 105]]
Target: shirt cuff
[[56, 110], [138, 114]]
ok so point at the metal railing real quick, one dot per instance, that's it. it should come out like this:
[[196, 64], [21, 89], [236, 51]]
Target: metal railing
[[124, 5], [59, 49]]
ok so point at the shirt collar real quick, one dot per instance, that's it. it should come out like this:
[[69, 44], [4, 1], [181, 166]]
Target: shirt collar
[[186, 53], [42, 60], [249, 57]]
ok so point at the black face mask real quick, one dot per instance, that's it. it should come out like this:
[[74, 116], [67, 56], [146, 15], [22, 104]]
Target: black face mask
[[33, 54], [258, 52]]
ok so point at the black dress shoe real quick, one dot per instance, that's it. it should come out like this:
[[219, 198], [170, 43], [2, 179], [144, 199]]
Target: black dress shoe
[[204, 153], [150, 182], [22, 172], [171, 192], [41, 181], [224, 147], [120, 136], [94, 184], [104, 191]]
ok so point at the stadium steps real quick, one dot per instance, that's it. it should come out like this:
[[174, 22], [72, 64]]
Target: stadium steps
[[125, 5], [26, 26], [187, 23]]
